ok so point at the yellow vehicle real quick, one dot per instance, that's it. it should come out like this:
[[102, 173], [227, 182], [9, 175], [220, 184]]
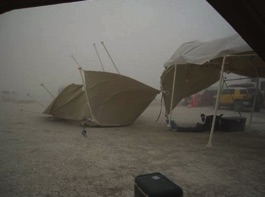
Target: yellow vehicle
[[237, 98]]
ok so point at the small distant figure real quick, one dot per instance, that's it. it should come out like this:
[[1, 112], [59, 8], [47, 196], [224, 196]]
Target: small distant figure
[[84, 132], [84, 123]]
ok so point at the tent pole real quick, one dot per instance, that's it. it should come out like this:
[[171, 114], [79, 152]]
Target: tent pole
[[35, 100], [254, 103], [172, 95], [47, 90], [80, 69], [84, 86], [98, 56], [110, 57], [217, 102]]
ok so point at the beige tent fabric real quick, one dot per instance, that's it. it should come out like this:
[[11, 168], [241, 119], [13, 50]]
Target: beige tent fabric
[[70, 104], [112, 100], [190, 79], [251, 66], [116, 100]]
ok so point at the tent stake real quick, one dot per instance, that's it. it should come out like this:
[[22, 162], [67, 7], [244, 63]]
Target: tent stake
[[110, 57], [98, 56], [172, 94], [216, 103], [47, 90]]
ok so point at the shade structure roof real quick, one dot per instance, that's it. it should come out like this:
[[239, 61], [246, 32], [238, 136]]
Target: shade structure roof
[[198, 66]]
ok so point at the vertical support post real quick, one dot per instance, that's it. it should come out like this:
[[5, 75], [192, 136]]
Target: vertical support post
[[84, 86], [110, 57], [98, 56], [217, 102], [254, 104], [172, 94], [47, 90]]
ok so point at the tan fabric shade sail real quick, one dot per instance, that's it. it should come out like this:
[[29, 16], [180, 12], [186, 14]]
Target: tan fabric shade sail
[[112, 100], [70, 104]]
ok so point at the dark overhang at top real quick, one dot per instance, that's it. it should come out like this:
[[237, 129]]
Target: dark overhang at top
[[247, 17], [8, 5]]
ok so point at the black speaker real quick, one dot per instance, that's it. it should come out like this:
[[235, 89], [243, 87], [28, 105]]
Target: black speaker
[[156, 185]]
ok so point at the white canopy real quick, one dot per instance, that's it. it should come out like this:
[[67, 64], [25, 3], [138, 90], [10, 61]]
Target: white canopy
[[197, 52], [197, 66]]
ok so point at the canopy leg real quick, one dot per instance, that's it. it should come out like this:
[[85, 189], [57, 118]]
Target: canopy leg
[[254, 104], [216, 103], [172, 95]]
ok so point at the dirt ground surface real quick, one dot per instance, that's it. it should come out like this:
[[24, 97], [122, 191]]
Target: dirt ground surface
[[42, 156]]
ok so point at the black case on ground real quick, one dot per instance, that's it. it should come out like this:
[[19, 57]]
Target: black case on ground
[[156, 185], [235, 123]]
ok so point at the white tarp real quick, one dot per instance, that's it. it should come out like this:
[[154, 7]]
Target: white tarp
[[197, 52]]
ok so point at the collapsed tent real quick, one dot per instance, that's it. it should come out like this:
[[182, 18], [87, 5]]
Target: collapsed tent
[[196, 65], [106, 99]]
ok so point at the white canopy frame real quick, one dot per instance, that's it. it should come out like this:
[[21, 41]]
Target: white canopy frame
[[217, 102], [172, 95], [224, 52], [220, 88]]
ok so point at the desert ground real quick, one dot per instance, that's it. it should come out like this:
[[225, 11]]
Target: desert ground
[[43, 156]]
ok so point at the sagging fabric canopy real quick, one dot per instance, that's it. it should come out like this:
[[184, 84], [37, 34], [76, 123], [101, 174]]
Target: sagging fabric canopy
[[108, 99], [198, 66]]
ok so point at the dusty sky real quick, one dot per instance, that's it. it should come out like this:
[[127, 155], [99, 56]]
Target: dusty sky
[[36, 44]]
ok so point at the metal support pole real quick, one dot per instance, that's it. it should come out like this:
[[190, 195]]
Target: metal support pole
[[47, 90], [110, 58], [217, 102], [254, 104], [172, 95], [84, 86], [98, 56], [80, 70]]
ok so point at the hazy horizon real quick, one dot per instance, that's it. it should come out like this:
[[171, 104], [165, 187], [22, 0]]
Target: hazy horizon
[[37, 43]]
